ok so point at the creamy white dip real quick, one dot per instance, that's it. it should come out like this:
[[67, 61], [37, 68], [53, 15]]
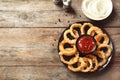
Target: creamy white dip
[[97, 9]]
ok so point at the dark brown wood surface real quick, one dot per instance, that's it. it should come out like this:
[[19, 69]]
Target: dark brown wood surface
[[29, 34]]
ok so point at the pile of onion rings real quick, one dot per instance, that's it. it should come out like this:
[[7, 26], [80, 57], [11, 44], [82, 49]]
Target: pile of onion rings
[[70, 56]]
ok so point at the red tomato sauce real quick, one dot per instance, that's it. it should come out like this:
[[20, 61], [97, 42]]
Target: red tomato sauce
[[86, 44]]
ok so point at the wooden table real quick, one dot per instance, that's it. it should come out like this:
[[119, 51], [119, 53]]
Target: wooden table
[[29, 33]]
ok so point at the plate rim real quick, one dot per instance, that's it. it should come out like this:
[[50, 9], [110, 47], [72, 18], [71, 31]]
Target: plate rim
[[101, 68]]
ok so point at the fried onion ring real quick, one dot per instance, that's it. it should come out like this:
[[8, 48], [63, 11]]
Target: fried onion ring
[[88, 66], [84, 26], [102, 58], [101, 36], [67, 51], [80, 65], [94, 31], [83, 65], [94, 62], [76, 25], [108, 52], [74, 34], [71, 61]]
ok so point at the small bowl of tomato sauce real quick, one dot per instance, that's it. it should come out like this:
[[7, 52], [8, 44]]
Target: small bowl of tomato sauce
[[86, 44]]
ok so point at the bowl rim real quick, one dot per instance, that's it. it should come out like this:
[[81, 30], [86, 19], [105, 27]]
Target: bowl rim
[[95, 47], [97, 19]]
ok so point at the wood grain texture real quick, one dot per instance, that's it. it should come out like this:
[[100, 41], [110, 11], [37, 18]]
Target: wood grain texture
[[29, 34], [29, 46], [38, 46], [43, 13], [53, 73]]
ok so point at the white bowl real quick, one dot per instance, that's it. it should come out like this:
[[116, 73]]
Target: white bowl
[[97, 9]]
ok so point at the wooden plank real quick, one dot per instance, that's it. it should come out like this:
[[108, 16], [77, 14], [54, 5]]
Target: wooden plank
[[29, 33], [43, 13], [27, 5], [38, 46], [53, 73], [38, 5], [28, 46], [35, 19]]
